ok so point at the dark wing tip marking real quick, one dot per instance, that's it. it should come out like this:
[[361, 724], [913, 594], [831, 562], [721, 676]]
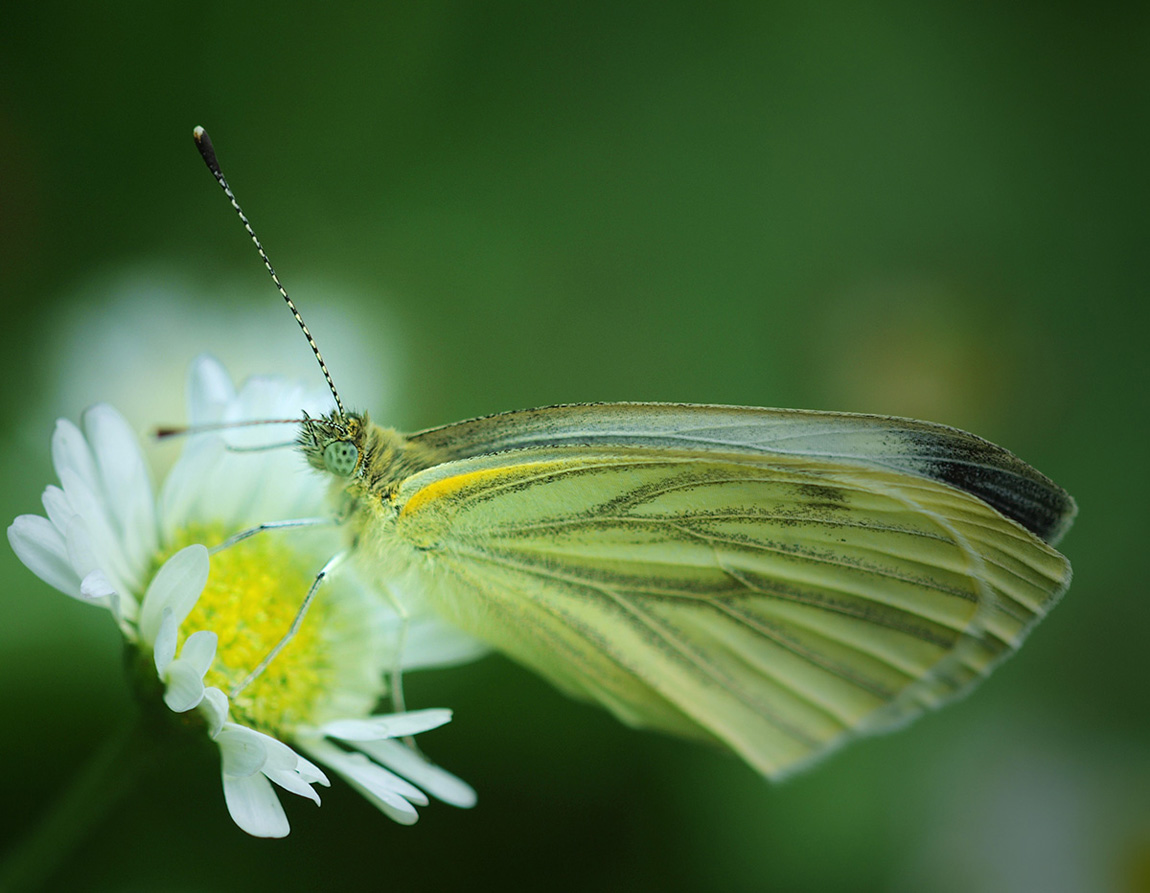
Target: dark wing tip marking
[[996, 476]]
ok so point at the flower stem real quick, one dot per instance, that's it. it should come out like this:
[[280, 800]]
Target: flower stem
[[110, 773]]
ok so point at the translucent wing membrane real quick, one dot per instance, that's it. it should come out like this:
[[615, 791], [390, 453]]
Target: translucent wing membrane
[[938, 452], [777, 602]]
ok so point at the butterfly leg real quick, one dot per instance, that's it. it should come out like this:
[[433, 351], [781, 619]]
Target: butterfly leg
[[395, 677], [334, 562], [270, 525]]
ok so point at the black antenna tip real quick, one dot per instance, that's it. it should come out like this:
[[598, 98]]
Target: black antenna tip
[[204, 144]]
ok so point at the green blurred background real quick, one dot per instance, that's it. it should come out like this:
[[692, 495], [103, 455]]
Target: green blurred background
[[934, 210]]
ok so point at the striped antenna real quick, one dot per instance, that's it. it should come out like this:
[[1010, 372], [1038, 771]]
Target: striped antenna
[[204, 144]]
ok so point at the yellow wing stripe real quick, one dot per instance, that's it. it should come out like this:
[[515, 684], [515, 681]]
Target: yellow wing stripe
[[446, 488]]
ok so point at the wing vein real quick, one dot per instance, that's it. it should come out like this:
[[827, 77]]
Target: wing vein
[[694, 657]]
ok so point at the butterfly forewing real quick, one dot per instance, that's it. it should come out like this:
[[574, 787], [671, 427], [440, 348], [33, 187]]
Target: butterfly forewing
[[775, 602], [907, 446]]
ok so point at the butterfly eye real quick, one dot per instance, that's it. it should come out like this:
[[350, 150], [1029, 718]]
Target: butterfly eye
[[340, 458]]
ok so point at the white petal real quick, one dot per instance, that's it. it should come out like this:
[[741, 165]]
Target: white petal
[[178, 585], [436, 781], [98, 575], [57, 506], [96, 588], [254, 806], [80, 551], [40, 546], [70, 452], [260, 397], [185, 686], [392, 725], [127, 484], [310, 772], [279, 755], [242, 751], [214, 708], [390, 793], [100, 531], [280, 763], [116, 605], [164, 647], [200, 650], [183, 488], [210, 389], [389, 803], [227, 492], [291, 782]]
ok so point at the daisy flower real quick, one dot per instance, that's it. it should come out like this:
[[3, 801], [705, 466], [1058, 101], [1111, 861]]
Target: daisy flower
[[198, 612]]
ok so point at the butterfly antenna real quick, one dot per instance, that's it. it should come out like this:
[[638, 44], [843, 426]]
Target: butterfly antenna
[[204, 144], [188, 430]]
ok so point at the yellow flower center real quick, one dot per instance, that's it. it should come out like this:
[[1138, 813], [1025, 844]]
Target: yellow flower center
[[252, 595]]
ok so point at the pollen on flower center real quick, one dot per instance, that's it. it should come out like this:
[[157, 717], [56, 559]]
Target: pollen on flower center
[[252, 595]]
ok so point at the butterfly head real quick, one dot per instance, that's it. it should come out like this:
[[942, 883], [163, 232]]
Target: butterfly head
[[335, 443]]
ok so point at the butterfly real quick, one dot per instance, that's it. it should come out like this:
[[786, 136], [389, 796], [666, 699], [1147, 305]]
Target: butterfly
[[772, 581]]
